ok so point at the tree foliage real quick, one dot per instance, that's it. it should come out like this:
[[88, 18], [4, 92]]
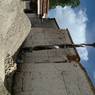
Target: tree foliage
[[72, 3]]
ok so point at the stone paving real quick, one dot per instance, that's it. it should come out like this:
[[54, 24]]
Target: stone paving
[[49, 72]]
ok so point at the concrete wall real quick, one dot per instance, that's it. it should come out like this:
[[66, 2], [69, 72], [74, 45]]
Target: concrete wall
[[14, 28]]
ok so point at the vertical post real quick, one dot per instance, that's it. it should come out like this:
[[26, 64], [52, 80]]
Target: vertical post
[[42, 8], [45, 8], [38, 7]]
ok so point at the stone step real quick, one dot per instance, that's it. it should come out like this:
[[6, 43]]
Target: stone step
[[24, 93], [36, 21], [44, 36], [52, 79], [45, 56]]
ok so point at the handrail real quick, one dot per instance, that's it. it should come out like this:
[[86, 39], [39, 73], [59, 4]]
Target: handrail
[[56, 46]]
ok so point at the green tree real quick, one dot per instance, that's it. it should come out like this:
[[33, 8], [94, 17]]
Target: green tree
[[72, 3]]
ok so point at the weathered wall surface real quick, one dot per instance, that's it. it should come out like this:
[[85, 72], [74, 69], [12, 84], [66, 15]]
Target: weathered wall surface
[[14, 27]]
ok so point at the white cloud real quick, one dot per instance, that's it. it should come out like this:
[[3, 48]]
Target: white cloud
[[76, 23]]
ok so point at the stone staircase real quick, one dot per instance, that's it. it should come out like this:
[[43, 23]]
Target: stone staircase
[[49, 72]]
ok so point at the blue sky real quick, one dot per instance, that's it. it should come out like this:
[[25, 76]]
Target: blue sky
[[81, 24], [89, 5]]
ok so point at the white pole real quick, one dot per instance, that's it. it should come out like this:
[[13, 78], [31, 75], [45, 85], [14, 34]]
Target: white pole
[[38, 7]]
